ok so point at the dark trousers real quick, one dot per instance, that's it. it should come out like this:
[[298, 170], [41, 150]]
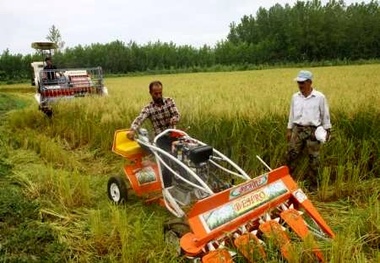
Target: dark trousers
[[303, 137], [165, 143]]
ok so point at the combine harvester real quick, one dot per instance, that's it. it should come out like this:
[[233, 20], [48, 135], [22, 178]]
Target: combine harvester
[[221, 212], [56, 84]]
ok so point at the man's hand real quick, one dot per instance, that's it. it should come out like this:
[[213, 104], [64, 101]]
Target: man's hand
[[288, 134], [131, 135], [173, 121]]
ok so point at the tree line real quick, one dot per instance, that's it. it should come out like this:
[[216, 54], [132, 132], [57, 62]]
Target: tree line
[[306, 32]]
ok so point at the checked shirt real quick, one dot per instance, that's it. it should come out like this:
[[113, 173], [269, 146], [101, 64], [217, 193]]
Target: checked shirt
[[159, 115]]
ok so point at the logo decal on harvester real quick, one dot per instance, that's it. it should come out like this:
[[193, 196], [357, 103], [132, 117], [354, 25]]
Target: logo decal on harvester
[[242, 205], [251, 185], [299, 195], [146, 175]]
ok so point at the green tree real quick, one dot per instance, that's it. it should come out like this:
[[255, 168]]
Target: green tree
[[55, 36]]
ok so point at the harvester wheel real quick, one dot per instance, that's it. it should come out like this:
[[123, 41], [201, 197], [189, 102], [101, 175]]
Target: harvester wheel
[[48, 111], [173, 231], [117, 189]]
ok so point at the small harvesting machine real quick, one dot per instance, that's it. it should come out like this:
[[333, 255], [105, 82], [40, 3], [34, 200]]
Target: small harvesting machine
[[55, 84], [221, 212]]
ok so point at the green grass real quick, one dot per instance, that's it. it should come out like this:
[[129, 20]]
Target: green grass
[[23, 235]]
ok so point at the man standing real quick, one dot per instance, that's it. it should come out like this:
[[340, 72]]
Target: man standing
[[163, 114], [308, 111]]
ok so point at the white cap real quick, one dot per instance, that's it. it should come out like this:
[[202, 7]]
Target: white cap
[[304, 75]]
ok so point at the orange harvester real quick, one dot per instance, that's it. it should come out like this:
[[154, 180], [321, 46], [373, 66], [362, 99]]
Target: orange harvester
[[219, 223]]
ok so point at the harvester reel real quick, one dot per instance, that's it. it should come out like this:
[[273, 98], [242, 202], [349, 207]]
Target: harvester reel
[[117, 189]]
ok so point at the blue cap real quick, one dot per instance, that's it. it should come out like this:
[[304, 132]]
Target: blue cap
[[304, 75]]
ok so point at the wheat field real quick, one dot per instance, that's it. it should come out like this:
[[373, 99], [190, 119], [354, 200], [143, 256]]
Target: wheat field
[[64, 162]]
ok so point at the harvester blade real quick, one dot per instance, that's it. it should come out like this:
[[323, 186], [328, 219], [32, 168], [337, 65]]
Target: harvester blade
[[295, 221], [218, 256], [250, 247], [274, 231]]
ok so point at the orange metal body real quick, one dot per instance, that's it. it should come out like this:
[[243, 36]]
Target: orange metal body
[[142, 188], [252, 206], [134, 153]]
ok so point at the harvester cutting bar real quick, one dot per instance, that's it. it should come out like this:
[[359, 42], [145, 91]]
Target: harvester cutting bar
[[58, 83], [272, 229], [294, 220], [250, 246], [221, 255], [259, 208]]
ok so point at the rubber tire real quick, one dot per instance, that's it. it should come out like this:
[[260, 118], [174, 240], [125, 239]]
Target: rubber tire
[[48, 112], [176, 227], [117, 189]]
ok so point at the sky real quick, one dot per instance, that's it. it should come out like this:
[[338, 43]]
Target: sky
[[84, 22]]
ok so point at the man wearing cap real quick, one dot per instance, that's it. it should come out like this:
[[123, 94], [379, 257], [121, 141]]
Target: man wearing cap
[[309, 111]]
